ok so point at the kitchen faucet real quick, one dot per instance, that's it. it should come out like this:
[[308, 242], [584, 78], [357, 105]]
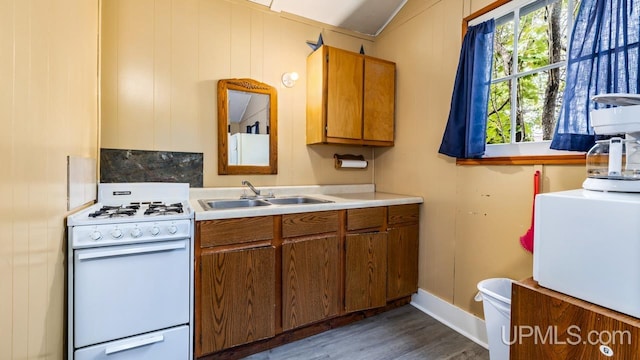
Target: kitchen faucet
[[255, 191]]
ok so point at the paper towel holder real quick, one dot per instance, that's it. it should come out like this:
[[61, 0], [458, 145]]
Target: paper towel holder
[[340, 157]]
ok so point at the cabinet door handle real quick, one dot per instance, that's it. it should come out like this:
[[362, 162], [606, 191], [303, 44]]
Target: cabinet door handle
[[134, 344]]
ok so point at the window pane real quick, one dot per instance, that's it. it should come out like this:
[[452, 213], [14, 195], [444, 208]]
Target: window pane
[[503, 47], [499, 120], [539, 101], [542, 35]]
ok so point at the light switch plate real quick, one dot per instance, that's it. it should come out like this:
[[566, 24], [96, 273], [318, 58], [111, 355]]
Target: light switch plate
[[81, 181]]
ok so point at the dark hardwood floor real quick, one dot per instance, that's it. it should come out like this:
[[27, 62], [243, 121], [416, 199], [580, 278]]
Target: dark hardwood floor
[[402, 333]]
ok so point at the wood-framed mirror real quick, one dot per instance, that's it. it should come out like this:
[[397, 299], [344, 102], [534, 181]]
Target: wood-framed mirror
[[247, 127]]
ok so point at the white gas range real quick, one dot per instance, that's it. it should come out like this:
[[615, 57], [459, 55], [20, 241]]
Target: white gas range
[[130, 277]]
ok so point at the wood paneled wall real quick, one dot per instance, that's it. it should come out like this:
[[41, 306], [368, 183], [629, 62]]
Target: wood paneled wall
[[473, 216], [161, 60], [48, 110]]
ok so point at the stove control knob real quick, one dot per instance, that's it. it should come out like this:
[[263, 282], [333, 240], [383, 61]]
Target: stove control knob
[[136, 232], [173, 229], [116, 233], [96, 235], [155, 230]]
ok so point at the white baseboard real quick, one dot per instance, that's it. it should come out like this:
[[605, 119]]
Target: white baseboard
[[452, 316]]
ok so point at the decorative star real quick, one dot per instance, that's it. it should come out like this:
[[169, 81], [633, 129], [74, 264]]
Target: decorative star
[[315, 46]]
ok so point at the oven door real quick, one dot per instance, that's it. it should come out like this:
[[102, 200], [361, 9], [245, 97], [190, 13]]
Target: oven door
[[121, 291]]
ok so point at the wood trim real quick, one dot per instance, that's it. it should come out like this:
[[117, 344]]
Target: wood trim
[[254, 86], [579, 159], [277, 243], [494, 5]]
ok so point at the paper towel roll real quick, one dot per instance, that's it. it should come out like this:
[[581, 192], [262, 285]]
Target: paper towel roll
[[354, 164]]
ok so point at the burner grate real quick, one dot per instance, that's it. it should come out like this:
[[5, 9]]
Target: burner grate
[[115, 211], [156, 209]]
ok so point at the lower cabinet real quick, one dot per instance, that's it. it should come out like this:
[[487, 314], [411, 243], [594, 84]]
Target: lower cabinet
[[237, 298], [402, 251], [311, 260], [310, 281], [365, 271], [271, 277]]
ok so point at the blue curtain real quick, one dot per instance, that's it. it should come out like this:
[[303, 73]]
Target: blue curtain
[[465, 134], [603, 58]]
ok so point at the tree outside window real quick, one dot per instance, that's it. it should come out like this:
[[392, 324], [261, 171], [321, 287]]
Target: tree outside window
[[529, 64]]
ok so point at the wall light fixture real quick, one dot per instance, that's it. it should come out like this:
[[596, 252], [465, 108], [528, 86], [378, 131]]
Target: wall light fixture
[[289, 79]]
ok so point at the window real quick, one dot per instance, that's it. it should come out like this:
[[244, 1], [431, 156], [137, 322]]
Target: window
[[529, 63]]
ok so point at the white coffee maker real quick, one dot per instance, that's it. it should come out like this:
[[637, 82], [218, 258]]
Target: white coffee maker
[[614, 164]]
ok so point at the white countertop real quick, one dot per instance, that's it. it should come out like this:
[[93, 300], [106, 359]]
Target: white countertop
[[342, 197]]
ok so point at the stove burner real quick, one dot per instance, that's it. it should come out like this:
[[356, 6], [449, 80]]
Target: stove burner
[[151, 208], [158, 208], [115, 211]]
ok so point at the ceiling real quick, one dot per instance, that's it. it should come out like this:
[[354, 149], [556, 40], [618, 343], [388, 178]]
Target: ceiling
[[364, 16]]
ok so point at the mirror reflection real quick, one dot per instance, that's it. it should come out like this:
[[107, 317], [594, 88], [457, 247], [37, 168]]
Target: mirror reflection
[[247, 127]]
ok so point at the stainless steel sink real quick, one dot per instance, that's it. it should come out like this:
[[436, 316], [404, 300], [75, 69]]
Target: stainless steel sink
[[221, 204], [231, 204], [297, 200]]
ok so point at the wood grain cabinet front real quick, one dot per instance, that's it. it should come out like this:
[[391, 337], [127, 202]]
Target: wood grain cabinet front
[[548, 325], [350, 98], [268, 280], [365, 259], [310, 268], [402, 251], [235, 298]]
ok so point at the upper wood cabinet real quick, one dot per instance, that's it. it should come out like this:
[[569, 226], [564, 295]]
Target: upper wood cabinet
[[350, 98]]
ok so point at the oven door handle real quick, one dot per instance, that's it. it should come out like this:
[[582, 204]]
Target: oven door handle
[[134, 344], [131, 251]]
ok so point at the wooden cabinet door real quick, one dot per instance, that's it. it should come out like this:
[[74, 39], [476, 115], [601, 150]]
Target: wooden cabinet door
[[365, 271], [402, 261], [236, 299], [310, 281], [379, 99], [344, 94]]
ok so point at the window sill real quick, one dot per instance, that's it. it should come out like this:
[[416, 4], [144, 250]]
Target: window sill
[[578, 159]]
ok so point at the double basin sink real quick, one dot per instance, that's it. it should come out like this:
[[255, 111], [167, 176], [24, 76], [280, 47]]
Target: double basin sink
[[244, 203]]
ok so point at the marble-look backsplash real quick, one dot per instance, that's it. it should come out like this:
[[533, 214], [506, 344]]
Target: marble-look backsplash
[[117, 165]]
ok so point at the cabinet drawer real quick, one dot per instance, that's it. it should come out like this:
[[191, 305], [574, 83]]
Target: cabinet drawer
[[368, 218], [235, 231], [309, 223], [401, 214]]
